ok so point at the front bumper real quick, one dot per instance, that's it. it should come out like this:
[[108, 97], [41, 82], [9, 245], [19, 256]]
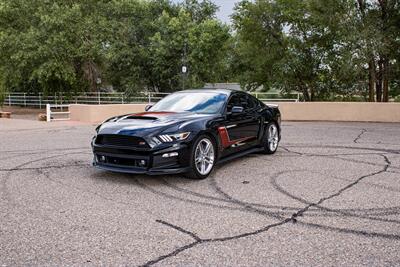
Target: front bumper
[[142, 161]]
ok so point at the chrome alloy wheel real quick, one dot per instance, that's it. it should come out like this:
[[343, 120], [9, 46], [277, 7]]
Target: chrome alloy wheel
[[204, 156], [272, 137]]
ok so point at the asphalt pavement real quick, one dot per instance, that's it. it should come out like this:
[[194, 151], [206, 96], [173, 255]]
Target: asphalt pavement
[[330, 196]]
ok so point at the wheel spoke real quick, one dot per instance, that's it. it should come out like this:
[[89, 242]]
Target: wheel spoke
[[200, 146], [203, 166], [209, 161], [207, 148], [204, 156]]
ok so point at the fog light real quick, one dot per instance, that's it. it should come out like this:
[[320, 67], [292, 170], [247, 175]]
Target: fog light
[[142, 163], [102, 158], [168, 155]]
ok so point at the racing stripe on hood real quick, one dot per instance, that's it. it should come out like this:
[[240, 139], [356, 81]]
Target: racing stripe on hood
[[152, 113]]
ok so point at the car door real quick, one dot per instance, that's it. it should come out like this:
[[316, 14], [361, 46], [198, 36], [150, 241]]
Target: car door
[[240, 130]]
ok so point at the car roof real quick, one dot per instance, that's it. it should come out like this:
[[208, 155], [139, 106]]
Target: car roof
[[220, 91]]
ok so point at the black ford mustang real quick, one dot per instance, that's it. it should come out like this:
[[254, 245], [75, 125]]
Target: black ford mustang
[[187, 132]]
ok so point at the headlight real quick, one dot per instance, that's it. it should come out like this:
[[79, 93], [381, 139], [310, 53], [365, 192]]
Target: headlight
[[167, 138]]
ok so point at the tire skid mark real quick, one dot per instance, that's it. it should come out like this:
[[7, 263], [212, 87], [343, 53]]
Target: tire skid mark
[[39, 151], [337, 156], [49, 130], [343, 212], [350, 231], [19, 167], [200, 195], [5, 195], [206, 204], [242, 206], [382, 150], [46, 175], [292, 218], [46, 167]]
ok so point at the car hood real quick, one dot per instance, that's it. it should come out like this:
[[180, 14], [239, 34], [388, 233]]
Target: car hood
[[147, 124]]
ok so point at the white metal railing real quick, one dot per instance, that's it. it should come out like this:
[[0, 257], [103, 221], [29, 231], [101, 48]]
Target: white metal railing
[[57, 112], [276, 97], [98, 98], [95, 98]]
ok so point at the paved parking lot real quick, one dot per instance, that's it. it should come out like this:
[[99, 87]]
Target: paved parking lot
[[329, 196]]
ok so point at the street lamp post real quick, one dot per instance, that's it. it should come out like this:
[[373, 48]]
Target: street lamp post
[[184, 70], [184, 65]]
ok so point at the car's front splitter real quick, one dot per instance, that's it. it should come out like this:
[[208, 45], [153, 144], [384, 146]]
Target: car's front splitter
[[153, 171]]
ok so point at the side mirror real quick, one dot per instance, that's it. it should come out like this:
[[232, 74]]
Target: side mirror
[[237, 110], [148, 107]]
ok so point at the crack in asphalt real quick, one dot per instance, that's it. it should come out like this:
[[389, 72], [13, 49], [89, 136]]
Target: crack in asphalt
[[172, 254], [180, 229], [359, 136], [347, 213], [292, 218], [338, 193], [199, 241]]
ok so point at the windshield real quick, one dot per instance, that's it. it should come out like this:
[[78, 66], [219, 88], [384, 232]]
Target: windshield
[[199, 102]]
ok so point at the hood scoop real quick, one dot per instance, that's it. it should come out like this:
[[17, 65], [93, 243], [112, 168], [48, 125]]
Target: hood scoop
[[147, 118]]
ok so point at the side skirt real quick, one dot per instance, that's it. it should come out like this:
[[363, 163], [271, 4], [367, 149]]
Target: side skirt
[[240, 154]]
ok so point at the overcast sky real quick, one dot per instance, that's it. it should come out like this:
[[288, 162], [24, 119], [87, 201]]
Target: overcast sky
[[225, 8]]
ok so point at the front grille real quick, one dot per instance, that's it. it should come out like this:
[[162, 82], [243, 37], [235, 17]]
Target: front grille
[[120, 140]]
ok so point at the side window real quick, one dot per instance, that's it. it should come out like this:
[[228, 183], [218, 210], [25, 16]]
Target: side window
[[234, 101], [242, 100], [257, 103], [247, 102]]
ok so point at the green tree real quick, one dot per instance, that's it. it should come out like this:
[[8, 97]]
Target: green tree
[[52, 46], [155, 39], [379, 30], [127, 53], [320, 48], [200, 45], [287, 45], [2, 96]]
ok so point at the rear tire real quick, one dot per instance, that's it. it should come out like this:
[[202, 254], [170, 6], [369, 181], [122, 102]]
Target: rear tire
[[202, 158], [271, 138]]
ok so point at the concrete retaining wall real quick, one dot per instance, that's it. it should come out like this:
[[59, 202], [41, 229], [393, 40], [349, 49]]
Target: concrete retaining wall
[[302, 111], [341, 111], [98, 113]]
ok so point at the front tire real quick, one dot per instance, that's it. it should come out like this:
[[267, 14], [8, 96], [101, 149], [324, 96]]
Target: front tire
[[271, 138], [202, 158]]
